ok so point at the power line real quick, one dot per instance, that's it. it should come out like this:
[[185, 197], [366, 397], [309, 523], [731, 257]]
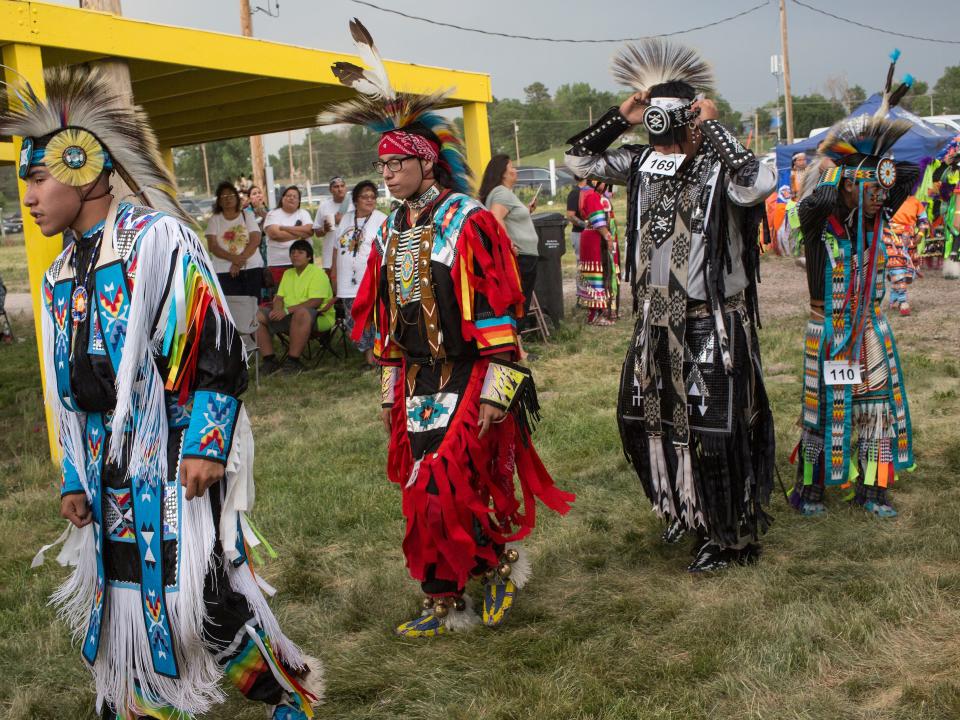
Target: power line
[[872, 27], [560, 40]]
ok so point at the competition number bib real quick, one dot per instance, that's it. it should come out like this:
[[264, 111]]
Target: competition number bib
[[660, 164], [841, 372]]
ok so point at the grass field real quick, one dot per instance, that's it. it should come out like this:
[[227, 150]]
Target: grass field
[[845, 617]]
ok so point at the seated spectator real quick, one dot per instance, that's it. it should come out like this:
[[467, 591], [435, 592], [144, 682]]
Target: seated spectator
[[355, 235], [304, 300], [285, 225], [233, 239]]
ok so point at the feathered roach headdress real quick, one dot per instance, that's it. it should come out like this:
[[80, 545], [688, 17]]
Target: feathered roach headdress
[[84, 128], [892, 99], [401, 117], [859, 147], [656, 62]]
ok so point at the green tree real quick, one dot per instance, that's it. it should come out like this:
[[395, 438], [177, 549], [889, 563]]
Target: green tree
[[915, 100], [226, 160], [946, 93]]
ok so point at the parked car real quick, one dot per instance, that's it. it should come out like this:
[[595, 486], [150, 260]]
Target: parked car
[[13, 223], [194, 208], [950, 123], [531, 177]]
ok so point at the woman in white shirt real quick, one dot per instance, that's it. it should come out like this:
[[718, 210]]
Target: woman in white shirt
[[285, 225], [233, 239], [355, 235]]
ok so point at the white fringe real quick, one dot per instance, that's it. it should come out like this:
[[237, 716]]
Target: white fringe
[[124, 661], [663, 503], [68, 425], [74, 597], [313, 682], [243, 581], [690, 511], [522, 570], [461, 620], [240, 488]]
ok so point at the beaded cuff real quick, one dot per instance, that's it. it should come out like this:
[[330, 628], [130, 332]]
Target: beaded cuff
[[599, 136]]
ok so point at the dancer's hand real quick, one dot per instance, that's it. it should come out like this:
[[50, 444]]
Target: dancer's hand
[[489, 414], [632, 108], [74, 507], [385, 417], [197, 474], [708, 110]]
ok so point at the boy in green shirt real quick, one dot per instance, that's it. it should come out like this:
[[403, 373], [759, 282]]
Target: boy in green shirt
[[304, 300]]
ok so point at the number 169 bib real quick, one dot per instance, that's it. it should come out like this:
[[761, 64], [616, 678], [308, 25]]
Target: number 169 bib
[[660, 164]]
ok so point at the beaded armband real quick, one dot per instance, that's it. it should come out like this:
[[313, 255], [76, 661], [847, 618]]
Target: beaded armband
[[732, 153], [599, 136], [504, 383], [388, 385], [510, 387]]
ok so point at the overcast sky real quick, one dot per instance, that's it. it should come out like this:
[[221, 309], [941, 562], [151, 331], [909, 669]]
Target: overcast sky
[[740, 49]]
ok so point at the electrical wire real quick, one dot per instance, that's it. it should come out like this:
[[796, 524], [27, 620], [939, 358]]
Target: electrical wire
[[872, 27], [560, 40]]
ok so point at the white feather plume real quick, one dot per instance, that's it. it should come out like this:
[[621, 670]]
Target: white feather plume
[[655, 61]]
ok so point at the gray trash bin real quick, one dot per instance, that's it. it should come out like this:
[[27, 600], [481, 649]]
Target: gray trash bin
[[552, 246]]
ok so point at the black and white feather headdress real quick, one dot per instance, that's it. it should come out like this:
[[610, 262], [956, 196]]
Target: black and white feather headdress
[[81, 103], [654, 61]]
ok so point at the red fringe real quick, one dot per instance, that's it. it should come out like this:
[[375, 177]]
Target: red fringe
[[367, 296], [474, 481], [493, 272]]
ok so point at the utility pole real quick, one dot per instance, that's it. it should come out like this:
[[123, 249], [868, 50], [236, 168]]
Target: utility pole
[[310, 156], [756, 133], [206, 167], [118, 74], [786, 70], [290, 153], [256, 141], [516, 139]]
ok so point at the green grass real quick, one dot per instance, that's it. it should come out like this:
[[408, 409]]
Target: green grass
[[13, 264], [845, 617]]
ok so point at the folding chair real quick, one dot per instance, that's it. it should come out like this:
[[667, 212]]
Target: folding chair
[[6, 329], [540, 322], [243, 308]]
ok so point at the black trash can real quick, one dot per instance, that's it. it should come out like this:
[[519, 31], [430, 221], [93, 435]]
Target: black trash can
[[552, 246]]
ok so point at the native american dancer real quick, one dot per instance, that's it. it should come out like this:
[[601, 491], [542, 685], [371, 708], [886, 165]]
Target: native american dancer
[[143, 372], [692, 410], [902, 237], [938, 190], [853, 382], [597, 252], [442, 292]]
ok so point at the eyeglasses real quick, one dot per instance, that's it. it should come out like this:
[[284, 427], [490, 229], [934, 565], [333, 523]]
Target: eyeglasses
[[367, 196], [393, 165]]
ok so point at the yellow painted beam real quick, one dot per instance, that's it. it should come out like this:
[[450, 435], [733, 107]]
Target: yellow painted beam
[[256, 93], [166, 154], [8, 152], [70, 28], [41, 251], [217, 130], [476, 132]]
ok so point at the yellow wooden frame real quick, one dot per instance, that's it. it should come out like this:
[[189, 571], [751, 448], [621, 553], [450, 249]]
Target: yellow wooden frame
[[199, 86]]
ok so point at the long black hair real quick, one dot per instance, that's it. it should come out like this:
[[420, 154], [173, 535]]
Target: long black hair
[[225, 185], [493, 175]]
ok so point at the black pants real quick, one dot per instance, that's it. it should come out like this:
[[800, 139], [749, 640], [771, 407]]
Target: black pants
[[527, 265]]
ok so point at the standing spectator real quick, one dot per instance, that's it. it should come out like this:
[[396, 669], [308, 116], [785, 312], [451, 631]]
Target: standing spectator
[[303, 300], [258, 204], [496, 192], [577, 223], [355, 235], [283, 226], [329, 214], [233, 239], [798, 165]]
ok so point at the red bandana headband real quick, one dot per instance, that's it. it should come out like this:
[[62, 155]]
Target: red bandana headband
[[399, 142]]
